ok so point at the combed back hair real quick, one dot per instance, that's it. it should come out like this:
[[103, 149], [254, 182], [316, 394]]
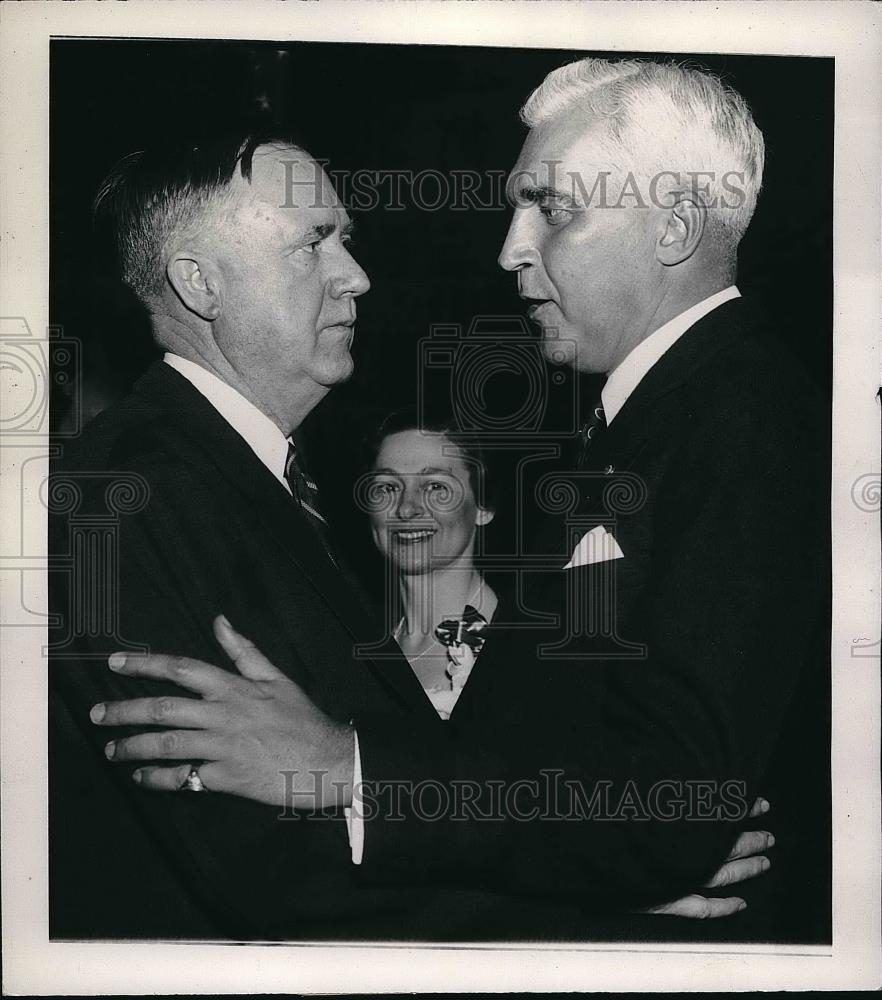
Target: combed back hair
[[153, 199], [409, 418], [660, 117]]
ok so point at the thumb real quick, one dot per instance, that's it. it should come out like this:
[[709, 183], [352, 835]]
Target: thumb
[[249, 660], [697, 907]]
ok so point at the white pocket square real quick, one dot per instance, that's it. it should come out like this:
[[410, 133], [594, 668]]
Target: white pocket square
[[596, 545]]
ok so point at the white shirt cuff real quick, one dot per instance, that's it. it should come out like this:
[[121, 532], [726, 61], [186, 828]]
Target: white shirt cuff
[[354, 815]]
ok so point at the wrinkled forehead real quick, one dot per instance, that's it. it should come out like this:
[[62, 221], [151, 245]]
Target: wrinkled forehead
[[287, 177]]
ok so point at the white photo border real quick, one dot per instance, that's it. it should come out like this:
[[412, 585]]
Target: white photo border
[[850, 33]]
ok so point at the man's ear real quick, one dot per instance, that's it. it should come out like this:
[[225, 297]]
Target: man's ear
[[683, 229], [196, 282], [484, 516]]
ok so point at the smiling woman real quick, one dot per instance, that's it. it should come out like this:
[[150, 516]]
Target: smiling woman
[[426, 499]]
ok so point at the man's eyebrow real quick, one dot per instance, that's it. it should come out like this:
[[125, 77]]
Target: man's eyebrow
[[534, 194], [322, 231]]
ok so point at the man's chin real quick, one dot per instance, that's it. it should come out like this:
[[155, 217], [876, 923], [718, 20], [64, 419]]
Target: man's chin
[[338, 371]]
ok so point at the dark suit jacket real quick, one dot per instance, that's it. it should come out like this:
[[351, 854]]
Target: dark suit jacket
[[162, 518], [678, 663]]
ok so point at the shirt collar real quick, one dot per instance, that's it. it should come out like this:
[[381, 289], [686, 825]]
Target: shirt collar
[[624, 379], [261, 435]]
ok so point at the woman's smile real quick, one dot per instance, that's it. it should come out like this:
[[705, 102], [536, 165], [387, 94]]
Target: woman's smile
[[411, 536]]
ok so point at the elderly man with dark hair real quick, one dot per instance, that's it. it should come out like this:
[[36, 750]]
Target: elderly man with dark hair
[[255, 305], [651, 657]]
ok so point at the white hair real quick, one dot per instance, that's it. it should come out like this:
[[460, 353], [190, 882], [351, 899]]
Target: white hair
[[662, 117]]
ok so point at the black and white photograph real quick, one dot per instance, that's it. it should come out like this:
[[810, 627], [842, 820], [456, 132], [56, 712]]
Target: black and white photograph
[[441, 496]]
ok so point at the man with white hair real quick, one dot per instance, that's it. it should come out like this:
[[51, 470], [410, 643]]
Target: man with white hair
[[621, 156], [628, 706]]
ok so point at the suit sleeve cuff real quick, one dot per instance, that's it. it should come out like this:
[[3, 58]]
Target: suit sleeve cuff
[[355, 814]]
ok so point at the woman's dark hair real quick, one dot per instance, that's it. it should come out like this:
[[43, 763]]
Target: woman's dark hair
[[469, 445]]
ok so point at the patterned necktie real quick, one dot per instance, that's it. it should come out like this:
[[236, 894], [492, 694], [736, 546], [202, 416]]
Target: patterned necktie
[[589, 433], [306, 493]]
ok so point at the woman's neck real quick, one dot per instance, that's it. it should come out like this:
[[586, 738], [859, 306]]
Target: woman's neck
[[429, 598]]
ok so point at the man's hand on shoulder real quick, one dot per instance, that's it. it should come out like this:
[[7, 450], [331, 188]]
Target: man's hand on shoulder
[[258, 734]]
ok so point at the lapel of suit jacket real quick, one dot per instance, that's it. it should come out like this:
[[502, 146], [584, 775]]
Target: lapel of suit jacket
[[195, 419], [636, 426], [637, 418]]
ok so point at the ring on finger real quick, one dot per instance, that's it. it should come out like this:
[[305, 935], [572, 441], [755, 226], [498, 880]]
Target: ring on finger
[[193, 782]]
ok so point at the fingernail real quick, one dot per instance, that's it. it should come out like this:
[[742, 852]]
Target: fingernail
[[771, 840], [741, 906], [766, 864], [764, 805], [98, 712], [110, 750], [136, 776], [117, 661]]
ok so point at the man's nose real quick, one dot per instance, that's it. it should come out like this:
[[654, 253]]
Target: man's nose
[[519, 249], [352, 280]]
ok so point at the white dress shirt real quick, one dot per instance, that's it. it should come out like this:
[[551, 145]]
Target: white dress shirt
[[626, 376], [261, 435]]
